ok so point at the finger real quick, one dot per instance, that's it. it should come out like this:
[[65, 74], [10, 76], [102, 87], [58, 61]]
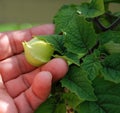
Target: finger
[[10, 43], [41, 87], [16, 86], [27, 102], [22, 104], [21, 83], [14, 66], [42, 30], [57, 67], [17, 65]]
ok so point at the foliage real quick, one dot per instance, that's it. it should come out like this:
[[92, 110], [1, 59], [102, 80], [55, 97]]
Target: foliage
[[87, 36]]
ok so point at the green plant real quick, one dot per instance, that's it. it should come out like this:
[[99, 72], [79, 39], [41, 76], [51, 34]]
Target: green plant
[[84, 36]]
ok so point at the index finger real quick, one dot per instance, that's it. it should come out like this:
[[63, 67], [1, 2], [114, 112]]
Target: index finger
[[11, 42]]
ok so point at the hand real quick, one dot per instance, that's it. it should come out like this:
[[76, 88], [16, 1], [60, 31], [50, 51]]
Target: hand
[[23, 87]]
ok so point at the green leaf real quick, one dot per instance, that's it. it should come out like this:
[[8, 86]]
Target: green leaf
[[48, 106], [89, 107], [60, 108], [91, 64], [64, 17], [56, 40], [58, 43], [93, 9], [80, 36], [104, 21], [77, 82], [117, 14], [111, 68], [108, 94], [71, 99], [51, 105], [107, 36], [72, 58], [112, 47]]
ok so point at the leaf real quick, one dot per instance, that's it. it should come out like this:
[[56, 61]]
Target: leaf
[[58, 43], [77, 82], [109, 36], [112, 47], [51, 105], [117, 14], [64, 17], [89, 107], [108, 94], [111, 68], [71, 99], [80, 36], [72, 58], [93, 9], [56, 40], [104, 21], [60, 108], [48, 106], [91, 64]]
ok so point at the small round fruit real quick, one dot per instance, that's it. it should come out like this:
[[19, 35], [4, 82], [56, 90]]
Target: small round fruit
[[38, 52]]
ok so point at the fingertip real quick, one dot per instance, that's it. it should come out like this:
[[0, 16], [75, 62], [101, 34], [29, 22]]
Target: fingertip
[[58, 67]]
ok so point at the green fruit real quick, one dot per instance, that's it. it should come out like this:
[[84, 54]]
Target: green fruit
[[37, 52]]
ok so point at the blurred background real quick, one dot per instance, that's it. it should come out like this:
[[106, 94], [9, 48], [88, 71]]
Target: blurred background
[[33, 11]]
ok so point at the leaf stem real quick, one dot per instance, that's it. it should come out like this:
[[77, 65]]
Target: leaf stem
[[114, 24], [103, 28]]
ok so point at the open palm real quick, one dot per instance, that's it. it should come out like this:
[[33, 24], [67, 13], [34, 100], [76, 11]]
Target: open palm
[[23, 87]]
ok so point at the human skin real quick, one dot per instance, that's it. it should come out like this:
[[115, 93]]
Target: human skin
[[23, 87]]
